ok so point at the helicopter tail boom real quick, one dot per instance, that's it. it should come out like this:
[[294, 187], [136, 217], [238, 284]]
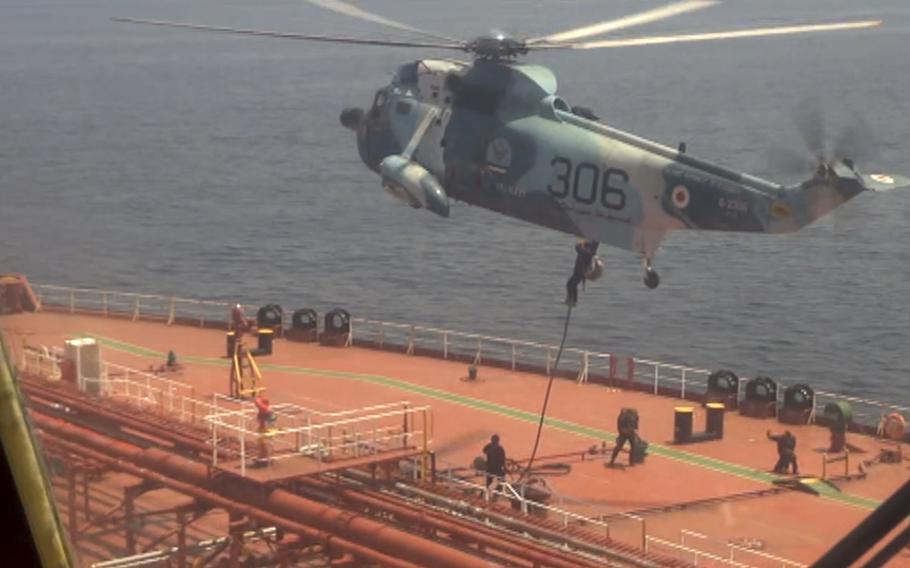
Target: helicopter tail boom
[[832, 185]]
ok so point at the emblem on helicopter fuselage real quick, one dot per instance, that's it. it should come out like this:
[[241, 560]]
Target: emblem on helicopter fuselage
[[499, 153], [680, 196], [881, 178]]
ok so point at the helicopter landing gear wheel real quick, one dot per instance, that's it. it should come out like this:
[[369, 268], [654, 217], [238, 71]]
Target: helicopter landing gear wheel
[[651, 277]]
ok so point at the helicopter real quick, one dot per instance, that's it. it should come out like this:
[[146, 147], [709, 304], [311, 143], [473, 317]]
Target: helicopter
[[494, 133]]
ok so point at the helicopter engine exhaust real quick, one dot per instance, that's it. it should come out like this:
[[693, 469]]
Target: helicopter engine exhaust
[[413, 184]]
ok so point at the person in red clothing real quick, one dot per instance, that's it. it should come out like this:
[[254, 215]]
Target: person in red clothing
[[239, 322], [265, 417], [264, 412]]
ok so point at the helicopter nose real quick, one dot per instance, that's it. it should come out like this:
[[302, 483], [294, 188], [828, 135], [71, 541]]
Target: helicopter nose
[[351, 118]]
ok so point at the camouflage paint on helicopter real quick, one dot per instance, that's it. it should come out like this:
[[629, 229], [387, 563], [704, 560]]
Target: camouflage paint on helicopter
[[499, 137]]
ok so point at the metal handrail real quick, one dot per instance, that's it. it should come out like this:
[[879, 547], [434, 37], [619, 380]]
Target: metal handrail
[[655, 376], [695, 552], [137, 305], [732, 548], [363, 430], [137, 386], [526, 505], [510, 492]]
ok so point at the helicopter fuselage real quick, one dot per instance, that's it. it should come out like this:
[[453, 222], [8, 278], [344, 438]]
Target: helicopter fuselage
[[495, 134]]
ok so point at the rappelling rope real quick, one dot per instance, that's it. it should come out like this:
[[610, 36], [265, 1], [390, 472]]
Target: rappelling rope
[[546, 398]]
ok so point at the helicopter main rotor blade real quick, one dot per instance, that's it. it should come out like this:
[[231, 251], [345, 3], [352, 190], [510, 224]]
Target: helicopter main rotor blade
[[641, 18], [711, 36], [287, 35], [353, 11]]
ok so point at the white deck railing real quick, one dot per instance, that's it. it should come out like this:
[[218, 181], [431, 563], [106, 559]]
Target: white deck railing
[[689, 554], [323, 436], [302, 432], [644, 374], [169, 309], [730, 552], [734, 555], [626, 371], [141, 389]]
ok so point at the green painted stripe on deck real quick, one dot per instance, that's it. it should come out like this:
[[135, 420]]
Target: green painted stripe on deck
[[486, 406]]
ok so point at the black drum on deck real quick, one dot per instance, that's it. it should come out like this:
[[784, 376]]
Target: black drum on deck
[[304, 325], [723, 387], [265, 337], [798, 402], [714, 419], [336, 327], [270, 316], [760, 398], [682, 424]]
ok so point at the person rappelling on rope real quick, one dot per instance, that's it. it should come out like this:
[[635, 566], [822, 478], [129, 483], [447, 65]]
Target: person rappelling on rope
[[587, 267]]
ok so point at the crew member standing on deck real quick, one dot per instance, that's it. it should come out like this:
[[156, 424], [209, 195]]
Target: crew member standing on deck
[[239, 322], [786, 452], [584, 254], [495, 462], [265, 417], [627, 425]]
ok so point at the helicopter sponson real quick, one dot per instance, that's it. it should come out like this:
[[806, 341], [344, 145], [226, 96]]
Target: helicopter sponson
[[412, 183]]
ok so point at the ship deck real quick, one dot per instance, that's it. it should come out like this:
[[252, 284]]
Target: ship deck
[[722, 489]]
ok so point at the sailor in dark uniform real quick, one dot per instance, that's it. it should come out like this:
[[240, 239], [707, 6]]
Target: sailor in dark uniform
[[584, 254], [627, 425], [786, 452], [495, 462]]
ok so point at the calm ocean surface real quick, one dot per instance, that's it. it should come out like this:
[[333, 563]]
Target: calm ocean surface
[[212, 166]]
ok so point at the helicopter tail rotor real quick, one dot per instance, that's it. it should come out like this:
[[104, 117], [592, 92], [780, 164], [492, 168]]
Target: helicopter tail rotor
[[854, 141]]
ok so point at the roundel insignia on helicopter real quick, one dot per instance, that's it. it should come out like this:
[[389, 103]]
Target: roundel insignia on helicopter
[[499, 153], [881, 178], [680, 196]]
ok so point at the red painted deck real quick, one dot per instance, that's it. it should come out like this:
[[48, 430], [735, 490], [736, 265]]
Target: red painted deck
[[793, 525]]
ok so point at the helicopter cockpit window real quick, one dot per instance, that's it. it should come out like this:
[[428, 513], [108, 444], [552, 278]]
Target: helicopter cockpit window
[[407, 74], [379, 102], [380, 99]]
